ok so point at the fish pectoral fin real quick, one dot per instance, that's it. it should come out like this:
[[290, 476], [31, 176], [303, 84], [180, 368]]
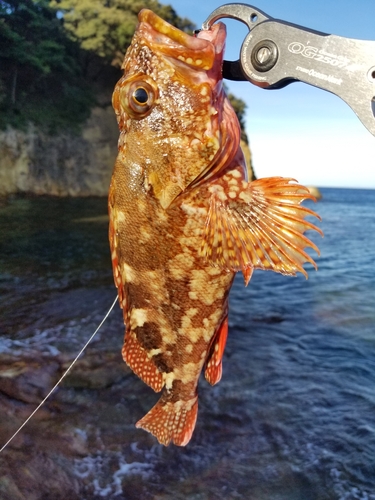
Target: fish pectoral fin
[[137, 359], [171, 421], [260, 226], [164, 190], [214, 366]]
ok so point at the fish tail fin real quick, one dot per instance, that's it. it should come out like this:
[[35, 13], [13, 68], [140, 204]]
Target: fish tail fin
[[169, 421], [258, 225]]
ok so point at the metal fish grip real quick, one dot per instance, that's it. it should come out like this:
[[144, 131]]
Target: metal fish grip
[[276, 53]]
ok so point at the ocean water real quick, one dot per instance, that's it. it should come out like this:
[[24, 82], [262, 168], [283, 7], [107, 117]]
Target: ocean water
[[293, 417], [310, 355]]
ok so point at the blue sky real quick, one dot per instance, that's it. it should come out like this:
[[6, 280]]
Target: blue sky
[[301, 131]]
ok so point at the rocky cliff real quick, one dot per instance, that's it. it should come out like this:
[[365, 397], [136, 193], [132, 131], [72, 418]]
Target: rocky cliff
[[66, 164]]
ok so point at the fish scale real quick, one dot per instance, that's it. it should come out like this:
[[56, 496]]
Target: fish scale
[[184, 218]]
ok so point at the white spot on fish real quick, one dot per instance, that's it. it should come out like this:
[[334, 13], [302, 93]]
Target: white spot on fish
[[189, 372], [120, 216], [129, 273], [138, 317], [168, 379]]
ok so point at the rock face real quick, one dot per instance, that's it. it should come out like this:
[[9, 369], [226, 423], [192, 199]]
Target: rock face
[[315, 192], [62, 165], [65, 164], [247, 153]]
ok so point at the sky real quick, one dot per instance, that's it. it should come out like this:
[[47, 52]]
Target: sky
[[301, 131]]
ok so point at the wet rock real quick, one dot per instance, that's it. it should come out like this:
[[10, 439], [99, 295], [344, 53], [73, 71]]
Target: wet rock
[[28, 379], [29, 475], [96, 371], [85, 414]]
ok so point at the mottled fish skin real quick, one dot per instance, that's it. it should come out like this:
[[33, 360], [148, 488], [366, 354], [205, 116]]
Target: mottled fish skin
[[184, 218]]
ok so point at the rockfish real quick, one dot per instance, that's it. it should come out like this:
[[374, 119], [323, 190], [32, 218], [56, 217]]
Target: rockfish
[[184, 218]]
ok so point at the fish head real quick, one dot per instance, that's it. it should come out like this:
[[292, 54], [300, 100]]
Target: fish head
[[177, 127]]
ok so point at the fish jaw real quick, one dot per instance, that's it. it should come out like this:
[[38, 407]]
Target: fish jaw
[[204, 51], [162, 37]]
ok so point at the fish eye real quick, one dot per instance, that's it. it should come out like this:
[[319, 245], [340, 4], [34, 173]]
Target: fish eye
[[138, 96]]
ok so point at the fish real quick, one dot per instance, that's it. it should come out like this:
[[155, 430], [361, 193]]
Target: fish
[[184, 218]]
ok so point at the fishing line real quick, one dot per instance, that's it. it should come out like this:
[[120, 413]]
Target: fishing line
[[61, 378]]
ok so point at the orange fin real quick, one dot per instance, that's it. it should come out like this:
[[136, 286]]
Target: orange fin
[[259, 225], [247, 274], [113, 243], [136, 357], [214, 367], [169, 421]]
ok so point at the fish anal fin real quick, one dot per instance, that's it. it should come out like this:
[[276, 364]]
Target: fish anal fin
[[258, 225], [136, 357], [214, 367], [171, 421], [247, 274]]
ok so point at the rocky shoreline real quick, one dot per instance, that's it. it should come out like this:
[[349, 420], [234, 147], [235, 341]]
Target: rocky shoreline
[[41, 458]]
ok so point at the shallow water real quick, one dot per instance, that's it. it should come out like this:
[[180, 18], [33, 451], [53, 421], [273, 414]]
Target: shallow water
[[294, 415]]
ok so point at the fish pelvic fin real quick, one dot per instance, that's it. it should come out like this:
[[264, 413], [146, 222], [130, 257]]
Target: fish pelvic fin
[[137, 358], [171, 421], [258, 225], [214, 367]]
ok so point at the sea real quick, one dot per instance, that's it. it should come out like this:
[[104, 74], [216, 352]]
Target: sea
[[293, 417]]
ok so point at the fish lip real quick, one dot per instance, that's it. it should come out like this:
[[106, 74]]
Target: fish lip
[[164, 28], [200, 51]]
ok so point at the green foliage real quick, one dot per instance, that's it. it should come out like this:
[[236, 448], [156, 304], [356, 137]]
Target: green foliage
[[105, 27], [56, 54], [40, 79]]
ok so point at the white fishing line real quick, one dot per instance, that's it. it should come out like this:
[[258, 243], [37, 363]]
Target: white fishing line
[[61, 378]]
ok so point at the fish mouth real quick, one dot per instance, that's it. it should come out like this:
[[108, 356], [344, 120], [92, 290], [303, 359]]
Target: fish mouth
[[204, 51]]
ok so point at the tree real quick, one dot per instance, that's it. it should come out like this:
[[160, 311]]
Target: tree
[[39, 73], [105, 27]]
